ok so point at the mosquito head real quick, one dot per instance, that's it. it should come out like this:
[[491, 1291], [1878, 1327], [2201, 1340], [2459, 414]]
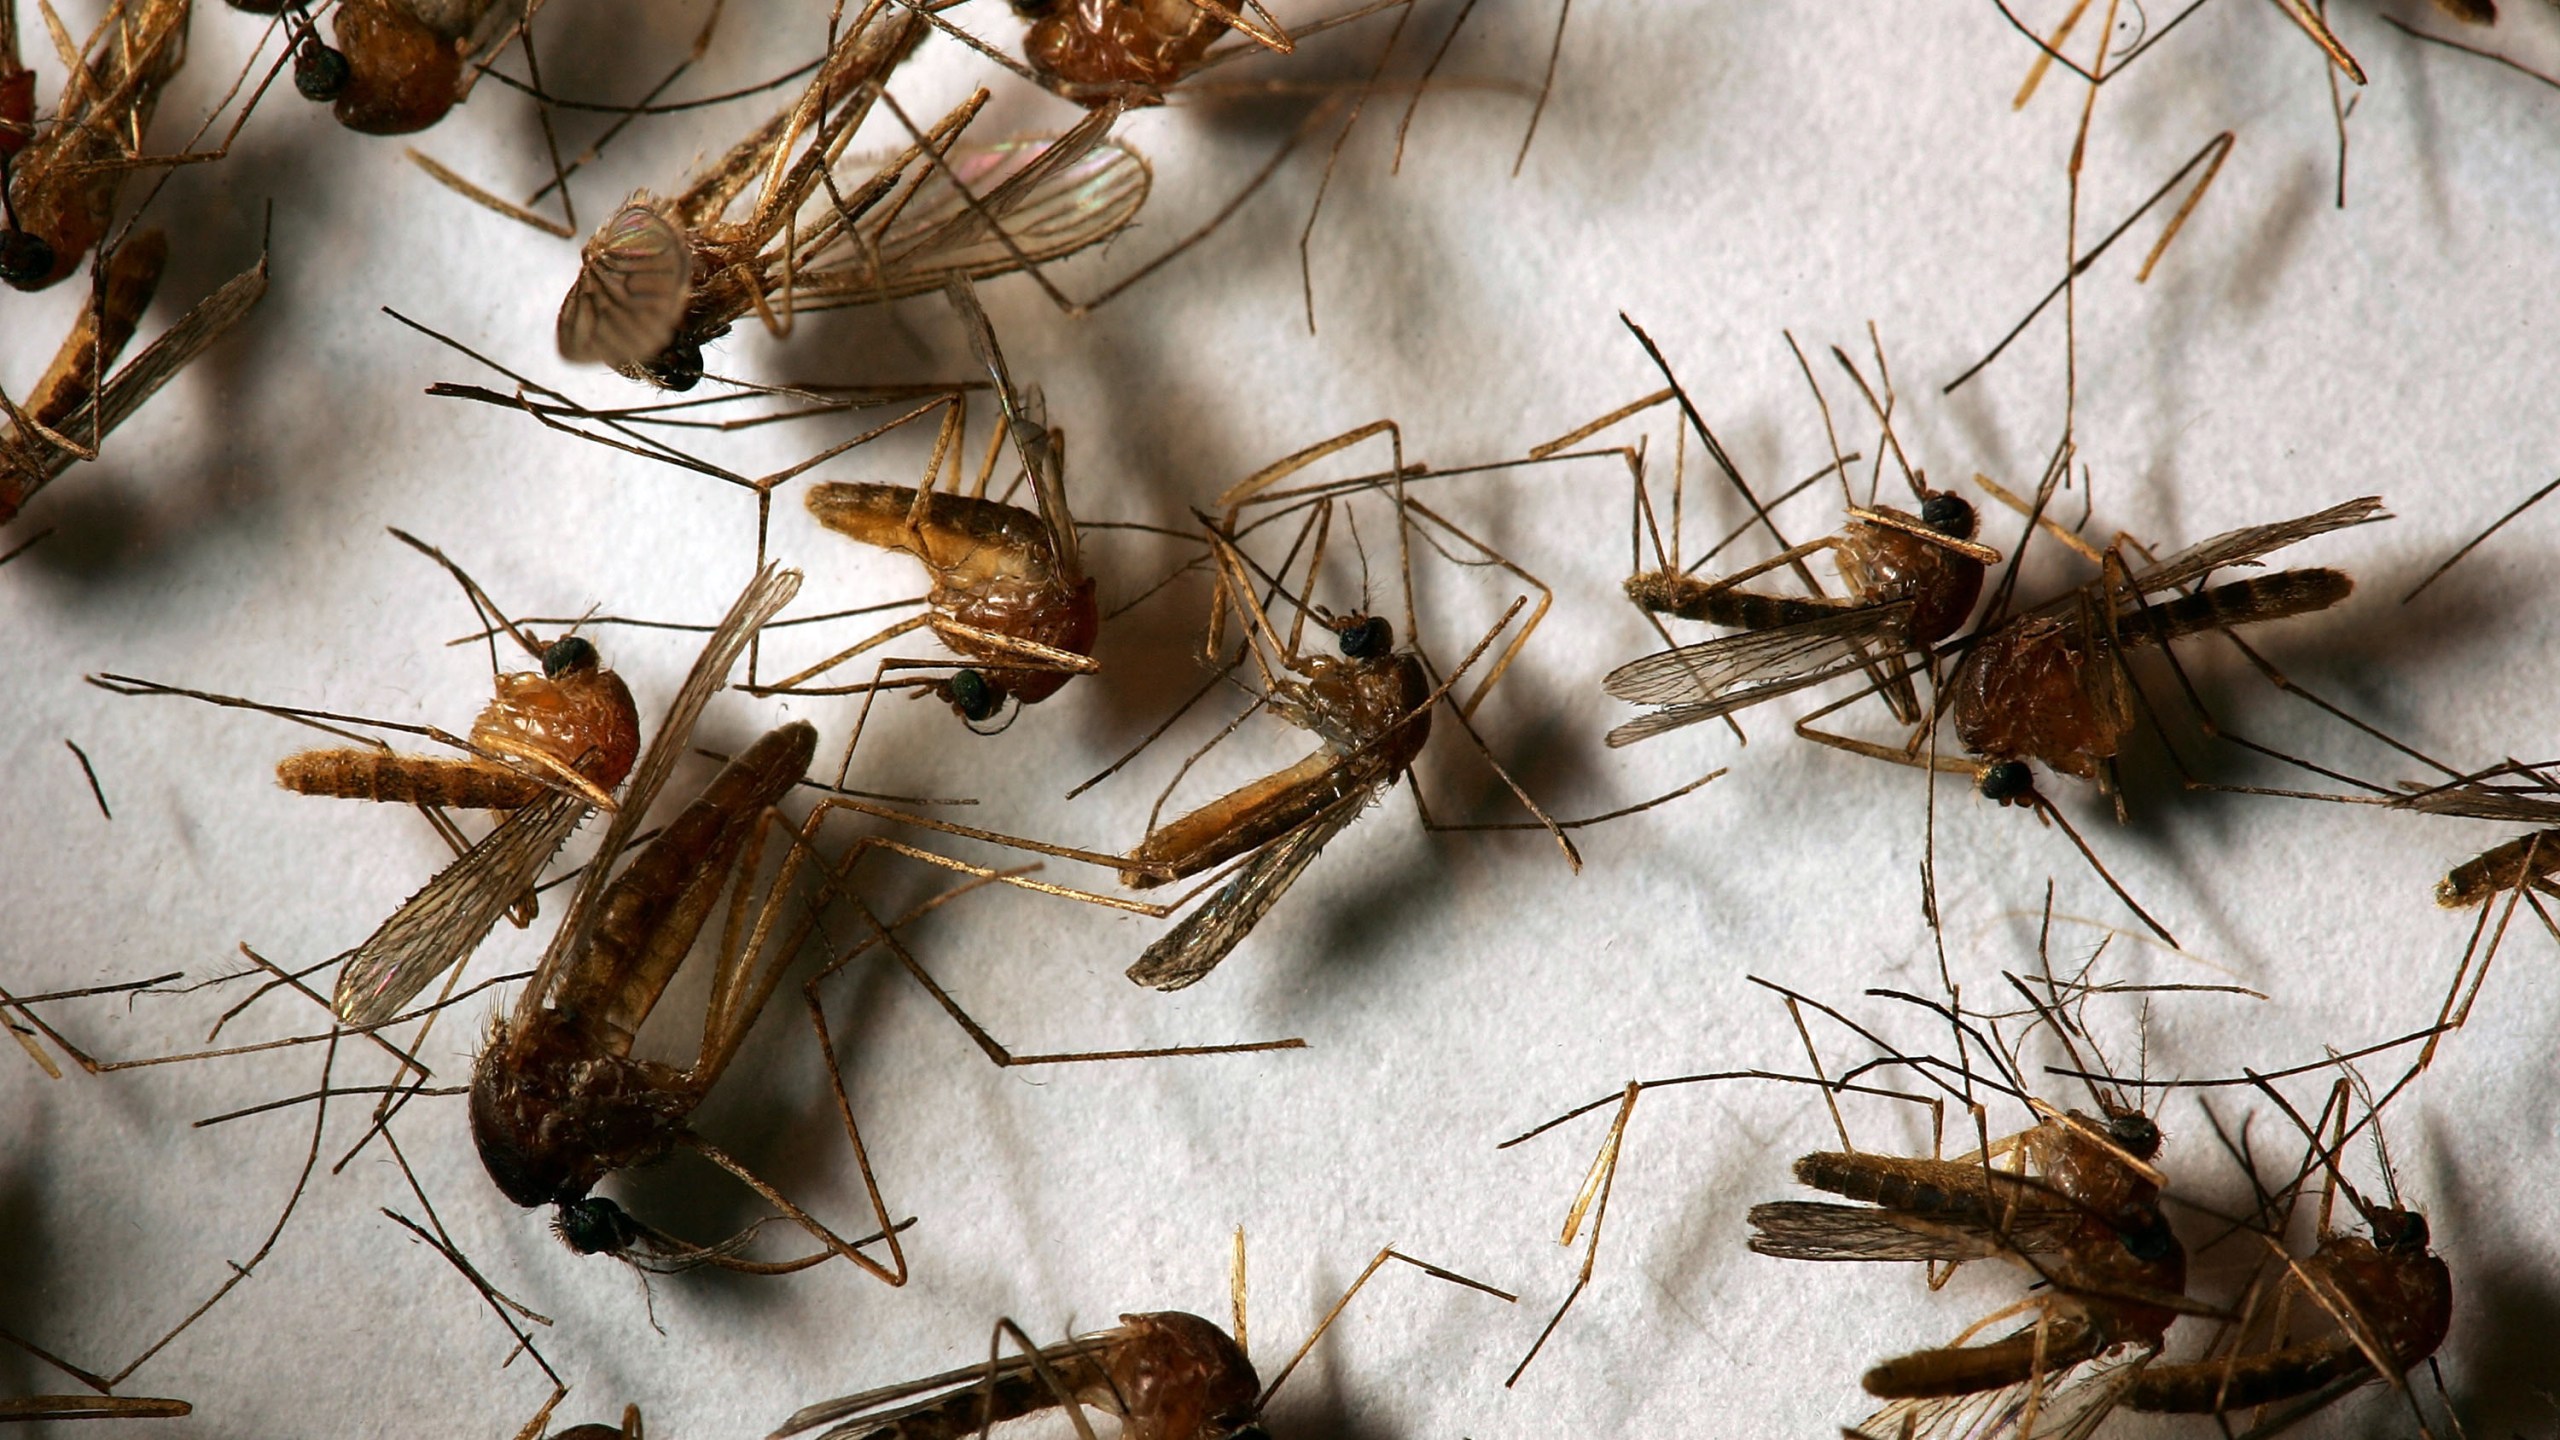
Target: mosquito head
[[595, 1226], [678, 367], [2150, 1240], [986, 705], [569, 656], [2010, 782], [320, 71], [2401, 1232], [1364, 637], [1948, 514], [1033, 9], [25, 258], [2134, 1133]]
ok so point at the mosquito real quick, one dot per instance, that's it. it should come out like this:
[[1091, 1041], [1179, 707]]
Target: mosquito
[[548, 750], [70, 412], [664, 277], [60, 179], [1163, 1375], [1010, 592]]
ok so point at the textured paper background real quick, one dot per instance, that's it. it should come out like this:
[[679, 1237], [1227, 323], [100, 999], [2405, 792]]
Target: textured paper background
[[1724, 173]]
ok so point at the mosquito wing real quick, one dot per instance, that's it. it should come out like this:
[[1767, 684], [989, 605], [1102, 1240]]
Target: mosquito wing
[[765, 595], [635, 279], [988, 211], [1013, 1385], [2068, 1404], [141, 378], [1026, 421], [1733, 672], [1186, 954], [2238, 547], [1817, 1230], [447, 920]]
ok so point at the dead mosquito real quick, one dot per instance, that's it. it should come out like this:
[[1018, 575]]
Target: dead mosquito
[[1164, 1375], [1010, 593], [59, 179], [71, 411], [664, 277]]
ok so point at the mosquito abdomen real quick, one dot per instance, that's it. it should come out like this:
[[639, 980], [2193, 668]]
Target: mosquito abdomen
[[1687, 597], [1930, 1374], [2520, 861], [1889, 1182], [2241, 602], [354, 774]]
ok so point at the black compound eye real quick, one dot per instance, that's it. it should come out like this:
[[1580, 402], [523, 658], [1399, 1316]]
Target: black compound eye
[[1365, 637], [320, 72], [595, 1226], [974, 696], [24, 258], [567, 656], [2008, 782], [2404, 1230], [678, 367], [1948, 515], [2134, 1133]]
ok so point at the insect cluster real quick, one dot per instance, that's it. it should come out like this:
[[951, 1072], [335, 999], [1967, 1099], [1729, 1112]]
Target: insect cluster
[[805, 722]]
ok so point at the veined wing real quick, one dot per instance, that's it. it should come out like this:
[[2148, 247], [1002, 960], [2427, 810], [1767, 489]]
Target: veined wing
[[2068, 1404], [1019, 1387], [1732, 672], [1034, 201], [447, 919], [142, 377], [764, 596], [1819, 1230], [1192, 948], [2239, 547], [1028, 426], [635, 279]]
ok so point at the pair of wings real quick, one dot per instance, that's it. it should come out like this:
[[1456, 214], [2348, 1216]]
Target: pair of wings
[[441, 924], [1185, 954], [1717, 677], [979, 212], [2067, 1404]]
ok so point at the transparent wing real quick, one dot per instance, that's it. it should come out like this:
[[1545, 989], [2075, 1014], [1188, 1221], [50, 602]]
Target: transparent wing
[[1191, 949], [1816, 1230], [1733, 672], [880, 1413], [447, 919], [1026, 423], [760, 601], [635, 279], [2069, 1404], [1035, 201], [140, 379], [2238, 547]]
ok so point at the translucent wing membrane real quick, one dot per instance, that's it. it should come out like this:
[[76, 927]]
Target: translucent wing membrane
[[1817, 1230], [633, 285], [447, 919], [2068, 1404], [1206, 936], [2238, 547], [1732, 672]]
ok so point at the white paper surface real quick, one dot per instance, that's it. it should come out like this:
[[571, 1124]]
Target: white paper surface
[[1724, 174]]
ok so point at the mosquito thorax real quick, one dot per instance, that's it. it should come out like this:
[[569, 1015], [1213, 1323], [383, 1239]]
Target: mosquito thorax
[[568, 656], [2010, 782], [595, 1226], [1948, 514], [320, 71], [1364, 637], [25, 258]]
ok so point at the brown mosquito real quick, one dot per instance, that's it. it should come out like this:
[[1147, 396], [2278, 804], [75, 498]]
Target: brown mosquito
[[664, 277], [1163, 1375], [59, 179], [548, 751], [1010, 592], [1913, 580], [76, 404]]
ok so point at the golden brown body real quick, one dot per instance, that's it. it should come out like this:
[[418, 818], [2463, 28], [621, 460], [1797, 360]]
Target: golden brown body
[[2052, 687], [404, 62], [578, 721], [63, 182], [995, 568], [1354, 705], [2397, 1291], [557, 1101], [1096, 51], [1881, 563]]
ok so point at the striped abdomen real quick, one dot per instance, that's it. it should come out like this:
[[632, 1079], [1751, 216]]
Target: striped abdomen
[[352, 774], [2524, 860], [2241, 602], [1690, 598]]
